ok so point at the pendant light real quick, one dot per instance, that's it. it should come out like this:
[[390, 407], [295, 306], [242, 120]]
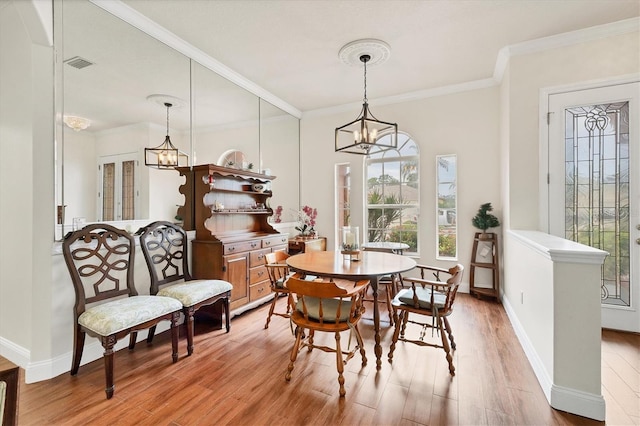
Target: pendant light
[[165, 156], [362, 134]]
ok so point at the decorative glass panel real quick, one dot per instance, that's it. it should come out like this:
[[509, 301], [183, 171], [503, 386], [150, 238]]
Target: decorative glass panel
[[597, 190], [108, 191]]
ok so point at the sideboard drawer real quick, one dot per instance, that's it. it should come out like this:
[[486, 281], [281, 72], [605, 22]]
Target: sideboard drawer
[[258, 291], [274, 241], [257, 257], [232, 248], [257, 274]]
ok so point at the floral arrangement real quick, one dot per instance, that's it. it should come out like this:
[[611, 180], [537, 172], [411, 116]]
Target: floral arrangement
[[306, 218]]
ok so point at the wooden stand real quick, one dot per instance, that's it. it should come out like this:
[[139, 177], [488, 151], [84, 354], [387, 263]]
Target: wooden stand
[[488, 240]]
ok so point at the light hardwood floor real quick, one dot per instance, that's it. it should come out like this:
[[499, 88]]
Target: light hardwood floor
[[238, 378]]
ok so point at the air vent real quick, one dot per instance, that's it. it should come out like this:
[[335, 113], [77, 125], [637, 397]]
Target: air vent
[[78, 62]]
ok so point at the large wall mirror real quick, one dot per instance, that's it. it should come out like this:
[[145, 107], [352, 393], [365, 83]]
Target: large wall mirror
[[119, 79]]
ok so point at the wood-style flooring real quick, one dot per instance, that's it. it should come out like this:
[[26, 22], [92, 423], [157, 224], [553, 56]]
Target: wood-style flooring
[[238, 378]]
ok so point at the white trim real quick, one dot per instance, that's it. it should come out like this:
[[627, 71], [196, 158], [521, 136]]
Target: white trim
[[577, 402], [150, 27], [14, 353], [558, 249], [534, 360]]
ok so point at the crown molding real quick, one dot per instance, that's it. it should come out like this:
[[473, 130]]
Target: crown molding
[[146, 25], [584, 35], [502, 61]]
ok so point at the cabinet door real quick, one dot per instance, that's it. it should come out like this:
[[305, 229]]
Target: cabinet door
[[236, 272]]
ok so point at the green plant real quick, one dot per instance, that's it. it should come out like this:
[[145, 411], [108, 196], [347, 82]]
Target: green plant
[[484, 220]]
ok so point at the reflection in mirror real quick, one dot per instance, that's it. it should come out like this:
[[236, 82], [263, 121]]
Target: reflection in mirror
[[110, 69], [280, 150], [225, 117], [118, 78]]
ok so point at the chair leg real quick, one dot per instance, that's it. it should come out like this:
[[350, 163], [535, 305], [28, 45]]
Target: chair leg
[[398, 321], [311, 335], [405, 319], [78, 347], [388, 289], [445, 346], [363, 354], [448, 327], [271, 309], [174, 335], [152, 332], [340, 364], [294, 353], [133, 337], [227, 319], [108, 342], [188, 317]]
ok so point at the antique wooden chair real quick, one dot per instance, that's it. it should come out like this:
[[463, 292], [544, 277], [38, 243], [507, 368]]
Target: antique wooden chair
[[100, 259], [278, 275], [433, 298], [331, 306], [164, 246]]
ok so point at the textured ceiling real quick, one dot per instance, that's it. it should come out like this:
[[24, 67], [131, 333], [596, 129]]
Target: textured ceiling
[[290, 48]]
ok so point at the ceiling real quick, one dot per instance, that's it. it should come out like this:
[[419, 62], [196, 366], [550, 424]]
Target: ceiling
[[290, 48]]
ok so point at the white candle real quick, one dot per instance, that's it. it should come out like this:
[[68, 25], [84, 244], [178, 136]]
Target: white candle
[[348, 238]]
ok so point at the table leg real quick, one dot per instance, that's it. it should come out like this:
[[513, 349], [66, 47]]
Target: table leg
[[376, 322]]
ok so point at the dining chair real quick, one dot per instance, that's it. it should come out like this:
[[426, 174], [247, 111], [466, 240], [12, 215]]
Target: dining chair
[[278, 274], [164, 246], [427, 297], [331, 306], [100, 260]]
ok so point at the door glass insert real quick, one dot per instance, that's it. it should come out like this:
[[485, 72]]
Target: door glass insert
[[597, 190]]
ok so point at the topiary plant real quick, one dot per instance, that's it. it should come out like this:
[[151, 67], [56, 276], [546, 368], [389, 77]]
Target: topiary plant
[[484, 220]]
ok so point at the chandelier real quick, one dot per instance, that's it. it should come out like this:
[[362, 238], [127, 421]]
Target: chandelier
[[166, 155], [362, 134]]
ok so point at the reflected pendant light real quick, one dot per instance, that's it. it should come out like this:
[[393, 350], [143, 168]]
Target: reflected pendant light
[[165, 156], [365, 132]]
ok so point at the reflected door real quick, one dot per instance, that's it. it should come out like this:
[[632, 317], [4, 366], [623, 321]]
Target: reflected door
[[117, 191], [594, 146]]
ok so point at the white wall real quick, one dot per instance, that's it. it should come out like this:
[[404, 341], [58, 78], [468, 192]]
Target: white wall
[[465, 124], [27, 182]]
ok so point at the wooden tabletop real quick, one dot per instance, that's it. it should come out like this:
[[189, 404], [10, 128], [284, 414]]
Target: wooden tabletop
[[334, 264]]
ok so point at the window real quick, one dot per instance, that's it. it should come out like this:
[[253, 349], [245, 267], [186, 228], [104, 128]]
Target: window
[[393, 201], [343, 195], [446, 166]]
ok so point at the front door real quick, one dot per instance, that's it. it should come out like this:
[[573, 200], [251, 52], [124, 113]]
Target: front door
[[594, 198]]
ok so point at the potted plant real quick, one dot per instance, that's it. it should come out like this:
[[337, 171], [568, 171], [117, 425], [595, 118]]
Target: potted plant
[[484, 220]]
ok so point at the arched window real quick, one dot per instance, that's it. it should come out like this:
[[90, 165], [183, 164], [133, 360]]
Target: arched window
[[393, 193]]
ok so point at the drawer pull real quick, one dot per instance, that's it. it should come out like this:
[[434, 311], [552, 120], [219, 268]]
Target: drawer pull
[[232, 248], [260, 256], [254, 245], [261, 273], [267, 243]]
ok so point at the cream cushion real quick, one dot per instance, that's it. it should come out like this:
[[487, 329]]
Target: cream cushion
[[191, 292], [112, 317]]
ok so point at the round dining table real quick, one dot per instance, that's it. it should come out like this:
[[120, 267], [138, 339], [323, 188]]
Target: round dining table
[[371, 265]]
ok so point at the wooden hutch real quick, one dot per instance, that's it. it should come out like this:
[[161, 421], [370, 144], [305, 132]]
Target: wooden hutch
[[228, 208]]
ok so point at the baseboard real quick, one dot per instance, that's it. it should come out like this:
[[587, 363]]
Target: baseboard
[[544, 379], [49, 368], [14, 353], [578, 402]]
